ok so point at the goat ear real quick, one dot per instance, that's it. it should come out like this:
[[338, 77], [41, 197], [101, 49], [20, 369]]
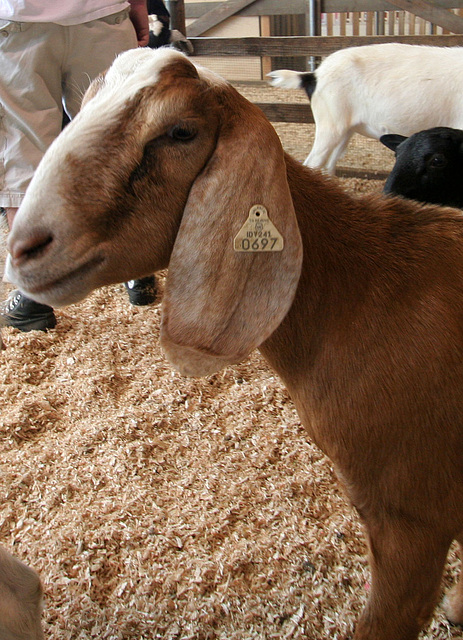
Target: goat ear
[[222, 298], [392, 140]]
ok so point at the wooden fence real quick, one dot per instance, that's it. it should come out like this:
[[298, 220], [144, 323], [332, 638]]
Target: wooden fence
[[380, 17], [445, 14], [302, 46]]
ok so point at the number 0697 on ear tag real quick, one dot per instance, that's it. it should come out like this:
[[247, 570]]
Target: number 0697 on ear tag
[[258, 233]]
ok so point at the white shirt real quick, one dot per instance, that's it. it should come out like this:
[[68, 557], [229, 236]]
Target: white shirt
[[64, 12]]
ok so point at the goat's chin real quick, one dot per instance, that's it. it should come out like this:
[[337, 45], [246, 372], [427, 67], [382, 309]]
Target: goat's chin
[[55, 288], [60, 293], [57, 298]]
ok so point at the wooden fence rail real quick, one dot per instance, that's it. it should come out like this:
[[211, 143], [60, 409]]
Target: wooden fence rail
[[405, 21], [195, 10], [372, 16], [305, 46]]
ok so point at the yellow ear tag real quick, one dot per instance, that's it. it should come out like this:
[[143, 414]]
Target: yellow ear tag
[[258, 233]]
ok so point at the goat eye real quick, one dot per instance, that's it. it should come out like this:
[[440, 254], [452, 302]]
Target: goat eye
[[437, 161], [182, 133]]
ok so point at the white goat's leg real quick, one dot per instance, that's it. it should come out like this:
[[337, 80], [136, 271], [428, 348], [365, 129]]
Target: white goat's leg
[[406, 565], [328, 147], [453, 602]]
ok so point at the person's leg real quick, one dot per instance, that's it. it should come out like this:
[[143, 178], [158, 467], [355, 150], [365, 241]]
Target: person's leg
[[30, 103], [30, 119], [142, 291], [92, 48]]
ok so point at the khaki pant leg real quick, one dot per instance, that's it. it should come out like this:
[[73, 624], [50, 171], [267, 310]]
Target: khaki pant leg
[[42, 65], [92, 49], [30, 102]]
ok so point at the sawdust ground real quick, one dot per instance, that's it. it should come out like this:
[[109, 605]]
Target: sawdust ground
[[155, 506]]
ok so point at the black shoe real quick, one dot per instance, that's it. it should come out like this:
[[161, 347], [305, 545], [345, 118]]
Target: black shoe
[[25, 314], [142, 291]]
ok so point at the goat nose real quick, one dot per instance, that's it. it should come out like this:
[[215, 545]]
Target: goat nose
[[25, 248]]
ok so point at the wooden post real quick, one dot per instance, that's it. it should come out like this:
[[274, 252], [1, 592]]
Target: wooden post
[[266, 64], [369, 23], [342, 23], [313, 16], [380, 23], [176, 8], [313, 26], [401, 24]]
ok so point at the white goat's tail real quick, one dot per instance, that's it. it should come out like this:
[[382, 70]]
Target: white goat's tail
[[287, 79]]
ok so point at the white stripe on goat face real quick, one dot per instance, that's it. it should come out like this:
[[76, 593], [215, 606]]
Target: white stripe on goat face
[[131, 72]]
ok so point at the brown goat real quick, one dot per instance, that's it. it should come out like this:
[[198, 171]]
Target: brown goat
[[20, 600], [360, 311]]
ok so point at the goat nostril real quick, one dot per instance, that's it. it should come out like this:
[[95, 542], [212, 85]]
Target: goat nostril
[[31, 247]]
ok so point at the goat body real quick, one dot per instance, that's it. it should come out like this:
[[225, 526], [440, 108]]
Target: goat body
[[360, 313], [161, 34], [428, 166], [378, 89], [159, 22], [20, 600]]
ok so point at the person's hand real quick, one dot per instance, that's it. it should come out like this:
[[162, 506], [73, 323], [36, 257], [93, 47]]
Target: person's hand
[[139, 17]]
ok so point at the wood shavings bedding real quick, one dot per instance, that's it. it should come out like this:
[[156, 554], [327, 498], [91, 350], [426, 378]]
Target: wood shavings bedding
[[156, 506]]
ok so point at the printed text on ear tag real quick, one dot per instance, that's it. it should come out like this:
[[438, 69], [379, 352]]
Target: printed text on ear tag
[[258, 233]]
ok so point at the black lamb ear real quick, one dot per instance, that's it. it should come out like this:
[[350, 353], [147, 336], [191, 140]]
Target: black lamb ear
[[392, 140]]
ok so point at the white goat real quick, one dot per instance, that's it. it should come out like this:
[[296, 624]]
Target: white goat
[[378, 89], [357, 303]]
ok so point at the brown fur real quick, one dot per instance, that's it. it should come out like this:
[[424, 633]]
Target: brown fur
[[20, 600], [367, 334]]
